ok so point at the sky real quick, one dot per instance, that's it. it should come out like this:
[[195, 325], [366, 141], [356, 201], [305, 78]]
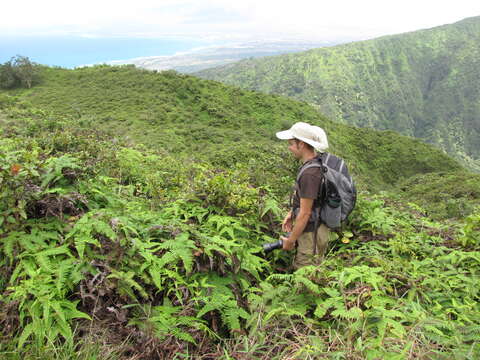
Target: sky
[[327, 20]]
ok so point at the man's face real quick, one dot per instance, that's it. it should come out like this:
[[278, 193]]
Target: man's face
[[294, 147]]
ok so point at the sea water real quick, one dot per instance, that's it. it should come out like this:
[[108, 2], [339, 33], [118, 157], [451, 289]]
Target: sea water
[[74, 51]]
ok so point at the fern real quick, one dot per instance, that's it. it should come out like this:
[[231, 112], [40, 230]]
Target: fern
[[218, 243], [324, 305], [86, 228], [363, 273], [127, 283], [227, 225], [217, 302], [165, 321], [386, 320], [228, 308], [281, 277], [156, 277], [353, 313], [232, 314], [310, 285], [300, 277], [64, 274], [287, 310], [54, 167], [49, 315], [251, 262], [271, 205], [43, 257], [9, 243], [221, 299], [179, 248]]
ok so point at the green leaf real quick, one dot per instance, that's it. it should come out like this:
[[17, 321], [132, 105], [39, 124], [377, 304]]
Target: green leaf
[[320, 310], [55, 251], [27, 331]]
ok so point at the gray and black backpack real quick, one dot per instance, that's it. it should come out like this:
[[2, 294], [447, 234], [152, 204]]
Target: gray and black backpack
[[337, 195]]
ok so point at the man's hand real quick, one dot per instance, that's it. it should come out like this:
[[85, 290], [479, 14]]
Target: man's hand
[[287, 243], [300, 223], [287, 223]]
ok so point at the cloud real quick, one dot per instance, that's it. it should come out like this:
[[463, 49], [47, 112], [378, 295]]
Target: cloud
[[247, 18]]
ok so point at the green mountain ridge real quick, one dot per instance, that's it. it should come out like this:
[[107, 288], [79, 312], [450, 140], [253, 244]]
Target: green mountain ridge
[[423, 84], [183, 114]]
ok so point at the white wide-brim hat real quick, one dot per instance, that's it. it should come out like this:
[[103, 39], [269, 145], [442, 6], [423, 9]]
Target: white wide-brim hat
[[310, 134]]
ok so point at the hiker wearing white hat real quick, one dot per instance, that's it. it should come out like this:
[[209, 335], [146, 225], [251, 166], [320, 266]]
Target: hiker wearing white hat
[[310, 134], [305, 141]]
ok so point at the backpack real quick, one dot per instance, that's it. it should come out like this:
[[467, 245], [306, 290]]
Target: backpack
[[337, 193]]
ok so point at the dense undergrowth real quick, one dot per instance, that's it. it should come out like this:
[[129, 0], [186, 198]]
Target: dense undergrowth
[[116, 250]]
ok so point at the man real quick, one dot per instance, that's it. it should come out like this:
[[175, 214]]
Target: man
[[304, 141]]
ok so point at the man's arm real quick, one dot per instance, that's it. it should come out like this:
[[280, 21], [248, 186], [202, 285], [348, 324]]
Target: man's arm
[[300, 223], [287, 222]]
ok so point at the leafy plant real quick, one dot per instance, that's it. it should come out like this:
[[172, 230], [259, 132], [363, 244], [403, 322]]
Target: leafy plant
[[470, 234]]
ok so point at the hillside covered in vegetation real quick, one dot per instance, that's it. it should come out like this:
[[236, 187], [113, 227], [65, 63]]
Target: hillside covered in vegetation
[[133, 206], [423, 84], [207, 120]]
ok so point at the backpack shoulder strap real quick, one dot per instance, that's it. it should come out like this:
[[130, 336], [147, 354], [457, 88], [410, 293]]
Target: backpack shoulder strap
[[331, 161], [336, 163], [313, 164], [327, 157]]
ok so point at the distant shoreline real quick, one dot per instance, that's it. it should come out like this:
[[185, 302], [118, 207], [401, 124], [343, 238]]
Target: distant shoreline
[[75, 51]]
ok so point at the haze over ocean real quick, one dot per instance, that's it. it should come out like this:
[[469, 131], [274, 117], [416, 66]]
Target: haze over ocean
[[72, 51]]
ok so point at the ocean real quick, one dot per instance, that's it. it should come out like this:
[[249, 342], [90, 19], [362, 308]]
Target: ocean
[[74, 51]]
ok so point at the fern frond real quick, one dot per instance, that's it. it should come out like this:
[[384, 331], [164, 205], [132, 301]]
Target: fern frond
[[9, 242], [165, 321], [287, 310], [180, 249], [127, 283], [26, 333], [252, 263], [232, 315], [353, 313], [281, 277], [63, 271], [221, 244], [71, 310], [155, 272], [310, 285]]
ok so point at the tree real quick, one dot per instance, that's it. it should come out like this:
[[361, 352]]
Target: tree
[[7, 76], [18, 71], [25, 71]]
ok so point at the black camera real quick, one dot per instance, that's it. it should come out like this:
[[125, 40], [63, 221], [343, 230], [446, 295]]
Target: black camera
[[273, 246]]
